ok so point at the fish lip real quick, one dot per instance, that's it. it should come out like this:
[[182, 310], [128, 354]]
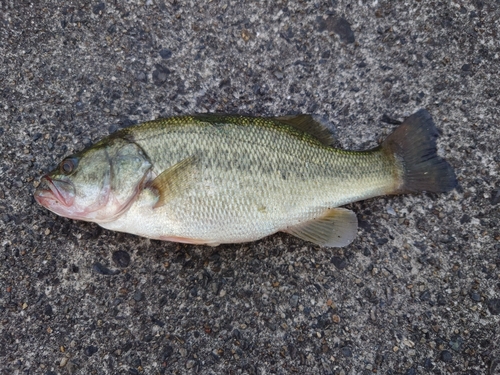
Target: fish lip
[[55, 191]]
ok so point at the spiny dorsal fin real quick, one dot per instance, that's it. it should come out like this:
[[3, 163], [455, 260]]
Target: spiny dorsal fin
[[175, 179], [311, 125], [337, 227]]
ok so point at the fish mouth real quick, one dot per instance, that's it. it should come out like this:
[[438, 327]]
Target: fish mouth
[[52, 193]]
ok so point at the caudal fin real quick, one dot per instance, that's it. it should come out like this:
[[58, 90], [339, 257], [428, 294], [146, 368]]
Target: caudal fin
[[414, 144]]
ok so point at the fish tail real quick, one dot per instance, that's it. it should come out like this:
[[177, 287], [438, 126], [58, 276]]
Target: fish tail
[[414, 145]]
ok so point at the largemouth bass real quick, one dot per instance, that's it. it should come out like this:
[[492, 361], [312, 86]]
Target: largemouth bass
[[212, 179]]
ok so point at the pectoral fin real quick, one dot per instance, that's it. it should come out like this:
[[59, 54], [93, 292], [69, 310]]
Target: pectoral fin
[[175, 180], [337, 227]]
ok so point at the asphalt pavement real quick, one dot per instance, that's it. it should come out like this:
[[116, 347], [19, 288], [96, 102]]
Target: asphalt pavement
[[417, 292]]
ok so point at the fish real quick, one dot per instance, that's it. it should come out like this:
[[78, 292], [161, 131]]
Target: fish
[[209, 179]]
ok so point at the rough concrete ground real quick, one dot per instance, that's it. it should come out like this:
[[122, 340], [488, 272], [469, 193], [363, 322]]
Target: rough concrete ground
[[417, 292]]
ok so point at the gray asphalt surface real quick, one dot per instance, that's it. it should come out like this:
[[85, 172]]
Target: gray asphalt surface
[[417, 292]]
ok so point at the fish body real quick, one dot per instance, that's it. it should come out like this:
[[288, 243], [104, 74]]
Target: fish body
[[211, 179]]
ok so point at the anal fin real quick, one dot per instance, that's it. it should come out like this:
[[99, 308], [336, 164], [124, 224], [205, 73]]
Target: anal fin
[[337, 227]]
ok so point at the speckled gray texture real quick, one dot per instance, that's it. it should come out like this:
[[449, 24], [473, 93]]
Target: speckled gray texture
[[417, 292]]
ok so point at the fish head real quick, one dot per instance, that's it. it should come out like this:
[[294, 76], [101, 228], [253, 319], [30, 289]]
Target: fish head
[[97, 184]]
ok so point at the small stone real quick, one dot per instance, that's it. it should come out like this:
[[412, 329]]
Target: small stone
[[447, 239], [167, 352], [339, 262], [222, 293], [99, 8], [103, 270], [465, 219], [246, 35], [408, 343], [390, 211], [79, 106], [136, 361], [112, 128], [425, 296], [373, 317], [63, 362], [342, 28], [121, 258], [494, 306], [346, 351], [141, 76], [160, 74], [90, 350], [428, 364], [165, 53], [475, 296], [294, 300], [279, 75], [215, 286], [190, 364], [138, 296], [237, 334], [495, 196], [456, 343], [382, 241], [441, 300], [446, 356]]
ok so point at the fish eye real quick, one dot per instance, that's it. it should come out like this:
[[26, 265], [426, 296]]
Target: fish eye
[[68, 165]]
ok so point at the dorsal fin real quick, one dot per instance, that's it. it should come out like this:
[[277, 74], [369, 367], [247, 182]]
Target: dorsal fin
[[310, 125]]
